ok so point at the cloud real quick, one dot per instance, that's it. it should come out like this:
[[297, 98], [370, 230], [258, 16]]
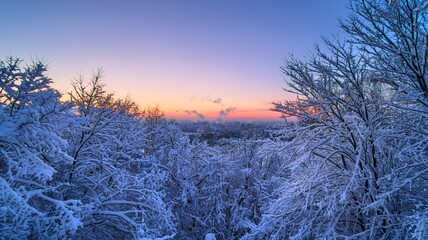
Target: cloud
[[200, 116], [217, 100], [224, 113], [189, 112]]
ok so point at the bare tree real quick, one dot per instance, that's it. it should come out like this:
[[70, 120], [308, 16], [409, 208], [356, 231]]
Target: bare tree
[[394, 34]]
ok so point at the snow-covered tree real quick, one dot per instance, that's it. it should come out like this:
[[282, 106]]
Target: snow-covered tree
[[394, 37], [357, 152], [31, 117], [346, 147], [120, 186]]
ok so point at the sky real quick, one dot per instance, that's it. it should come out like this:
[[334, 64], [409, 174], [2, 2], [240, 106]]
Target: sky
[[195, 59]]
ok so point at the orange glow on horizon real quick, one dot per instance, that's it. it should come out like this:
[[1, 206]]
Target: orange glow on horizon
[[242, 115]]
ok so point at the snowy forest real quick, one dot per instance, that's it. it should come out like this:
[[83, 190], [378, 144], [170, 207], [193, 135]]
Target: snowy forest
[[349, 162]]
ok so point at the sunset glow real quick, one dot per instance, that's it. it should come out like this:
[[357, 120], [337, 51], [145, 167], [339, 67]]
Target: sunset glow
[[237, 114], [180, 55]]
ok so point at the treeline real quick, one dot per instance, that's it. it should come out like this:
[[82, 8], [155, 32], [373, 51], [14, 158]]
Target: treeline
[[97, 167], [351, 162]]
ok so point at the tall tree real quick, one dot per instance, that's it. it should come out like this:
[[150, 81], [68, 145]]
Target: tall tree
[[394, 35], [357, 155], [345, 144]]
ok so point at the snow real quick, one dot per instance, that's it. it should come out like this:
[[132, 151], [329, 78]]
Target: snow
[[210, 236], [352, 165]]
